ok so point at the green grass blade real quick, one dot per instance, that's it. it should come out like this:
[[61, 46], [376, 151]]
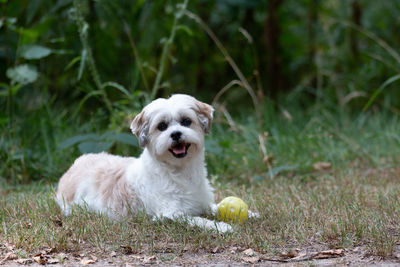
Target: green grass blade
[[82, 64], [117, 86], [82, 102], [72, 63], [380, 89]]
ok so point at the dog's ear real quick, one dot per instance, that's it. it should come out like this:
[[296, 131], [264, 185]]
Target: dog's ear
[[205, 115], [140, 128]]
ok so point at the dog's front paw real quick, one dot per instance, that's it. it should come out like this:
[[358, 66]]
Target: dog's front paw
[[223, 227], [204, 223]]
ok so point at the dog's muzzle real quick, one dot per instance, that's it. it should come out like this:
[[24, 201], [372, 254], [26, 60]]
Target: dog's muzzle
[[179, 149]]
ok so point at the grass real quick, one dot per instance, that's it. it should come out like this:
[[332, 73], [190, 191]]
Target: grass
[[292, 146], [339, 209], [354, 203]]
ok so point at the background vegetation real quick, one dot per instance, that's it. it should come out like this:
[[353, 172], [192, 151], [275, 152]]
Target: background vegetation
[[293, 82], [306, 127]]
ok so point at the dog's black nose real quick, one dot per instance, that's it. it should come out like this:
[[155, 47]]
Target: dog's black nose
[[176, 135]]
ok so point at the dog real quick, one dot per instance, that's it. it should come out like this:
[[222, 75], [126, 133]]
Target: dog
[[168, 180]]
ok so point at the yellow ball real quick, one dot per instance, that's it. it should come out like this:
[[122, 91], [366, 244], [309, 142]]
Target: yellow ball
[[232, 209]]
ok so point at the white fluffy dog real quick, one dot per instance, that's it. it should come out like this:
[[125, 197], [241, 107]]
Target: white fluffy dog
[[168, 180]]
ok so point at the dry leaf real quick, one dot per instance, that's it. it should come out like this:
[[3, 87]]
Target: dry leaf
[[137, 257], [251, 260], [326, 254], [48, 251], [53, 261], [331, 253], [62, 256], [291, 253], [322, 166], [9, 246], [9, 256], [127, 249], [24, 261], [113, 254], [215, 250], [86, 261], [75, 254], [301, 256], [149, 259], [268, 159], [93, 257], [39, 258], [249, 252], [233, 250]]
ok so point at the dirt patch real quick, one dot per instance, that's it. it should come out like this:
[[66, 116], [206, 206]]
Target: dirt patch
[[230, 256]]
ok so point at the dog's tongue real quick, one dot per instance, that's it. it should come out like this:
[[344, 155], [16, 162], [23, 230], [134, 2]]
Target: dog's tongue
[[179, 149]]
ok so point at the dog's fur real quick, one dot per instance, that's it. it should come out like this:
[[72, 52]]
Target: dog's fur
[[169, 179]]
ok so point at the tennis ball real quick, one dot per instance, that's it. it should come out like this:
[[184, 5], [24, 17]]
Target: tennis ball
[[232, 209]]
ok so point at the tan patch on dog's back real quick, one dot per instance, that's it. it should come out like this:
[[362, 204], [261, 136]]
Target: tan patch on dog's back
[[106, 174], [114, 190]]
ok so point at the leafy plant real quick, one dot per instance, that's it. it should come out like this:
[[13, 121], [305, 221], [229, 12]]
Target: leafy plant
[[94, 143]]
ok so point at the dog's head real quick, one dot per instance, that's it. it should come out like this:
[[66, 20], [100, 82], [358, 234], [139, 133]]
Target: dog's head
[[173, 129]]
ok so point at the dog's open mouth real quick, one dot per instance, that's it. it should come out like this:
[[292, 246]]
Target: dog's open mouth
[[179, 150]]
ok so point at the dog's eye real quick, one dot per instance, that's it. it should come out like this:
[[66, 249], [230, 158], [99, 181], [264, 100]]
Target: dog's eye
[[186, 122], [162, 126]]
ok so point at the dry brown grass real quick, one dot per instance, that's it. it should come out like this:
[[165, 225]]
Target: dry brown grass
[[357, 207]]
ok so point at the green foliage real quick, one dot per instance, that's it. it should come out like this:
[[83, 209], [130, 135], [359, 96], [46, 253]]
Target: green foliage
[[81, 70], [34, 51], [23, 74], [334, 57], [93, 143], [380, 89], [292, 141]]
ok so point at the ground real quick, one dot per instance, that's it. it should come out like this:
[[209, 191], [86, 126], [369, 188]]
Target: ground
[[328, 217], [232, 256]]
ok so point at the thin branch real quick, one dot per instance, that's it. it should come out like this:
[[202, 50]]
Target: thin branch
[[373, 37], [166, 48], [83, 29], [133, 46], [228, 58]]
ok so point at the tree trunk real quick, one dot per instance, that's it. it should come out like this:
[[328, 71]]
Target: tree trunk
[[356, 19], [312, 17], [272, 32]]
